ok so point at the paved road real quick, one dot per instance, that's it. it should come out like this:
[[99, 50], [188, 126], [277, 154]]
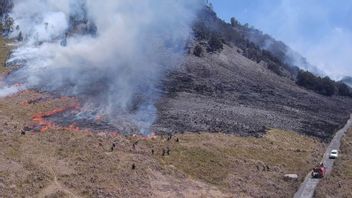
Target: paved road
[[307, 188]]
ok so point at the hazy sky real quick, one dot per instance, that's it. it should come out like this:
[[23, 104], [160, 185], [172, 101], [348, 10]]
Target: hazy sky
[[320, 30]]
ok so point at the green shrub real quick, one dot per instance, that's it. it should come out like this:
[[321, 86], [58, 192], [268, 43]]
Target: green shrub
[[198, 51], [344, 90], [5, 7], [215, 44], [324, 86]]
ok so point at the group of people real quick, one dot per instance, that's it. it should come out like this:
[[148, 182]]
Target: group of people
[[165, 151]]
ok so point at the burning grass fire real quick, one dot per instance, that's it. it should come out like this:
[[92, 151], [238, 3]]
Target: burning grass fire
[[70, 49], [63, 113], [73, 120], [69, 119], [41, 118]]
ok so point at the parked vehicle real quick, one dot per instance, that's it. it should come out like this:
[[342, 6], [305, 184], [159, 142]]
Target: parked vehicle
[[319, 171], [334, 154]]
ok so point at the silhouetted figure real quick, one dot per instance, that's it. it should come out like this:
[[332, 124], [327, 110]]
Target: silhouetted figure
[[20, 37], [134, 145], [169, 138], [164, 152], [113, 147], [152, 151], [177, 140], [133, 166]]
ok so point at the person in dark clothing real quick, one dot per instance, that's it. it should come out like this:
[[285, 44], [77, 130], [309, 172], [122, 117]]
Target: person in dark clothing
[[169, 138], [113, 147], [134, 145]]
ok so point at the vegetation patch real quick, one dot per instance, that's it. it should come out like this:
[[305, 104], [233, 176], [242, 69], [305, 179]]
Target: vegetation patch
[[218, 159], [324, 86]]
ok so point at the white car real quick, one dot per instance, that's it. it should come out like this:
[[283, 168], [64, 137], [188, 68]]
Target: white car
[[334, 154]]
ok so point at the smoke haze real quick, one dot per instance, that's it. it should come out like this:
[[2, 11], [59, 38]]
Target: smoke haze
[[112, 53], [320, 30]]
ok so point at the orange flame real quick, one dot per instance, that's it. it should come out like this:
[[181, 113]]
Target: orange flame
[[45, 124]]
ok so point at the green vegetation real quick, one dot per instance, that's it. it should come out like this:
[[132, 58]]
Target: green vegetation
[[5, 7], [214, 33], [215, 44], [324, 86], [198, 51]]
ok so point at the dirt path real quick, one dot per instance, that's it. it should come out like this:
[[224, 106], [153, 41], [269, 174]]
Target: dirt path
[[55, 187], [307, 188]]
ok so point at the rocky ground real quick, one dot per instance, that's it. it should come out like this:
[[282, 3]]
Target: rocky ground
[[227, 92]]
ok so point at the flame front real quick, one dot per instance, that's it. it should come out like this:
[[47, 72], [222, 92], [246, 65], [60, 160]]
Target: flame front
[[40, 118]]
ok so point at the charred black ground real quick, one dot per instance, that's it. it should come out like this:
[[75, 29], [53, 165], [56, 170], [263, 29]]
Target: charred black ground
[[229, 84], [72, 118]]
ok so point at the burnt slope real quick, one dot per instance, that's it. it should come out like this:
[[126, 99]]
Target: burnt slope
[[227, 91]]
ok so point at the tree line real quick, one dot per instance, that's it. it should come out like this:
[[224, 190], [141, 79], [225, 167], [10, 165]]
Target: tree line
[[5, 7], [322, 85]]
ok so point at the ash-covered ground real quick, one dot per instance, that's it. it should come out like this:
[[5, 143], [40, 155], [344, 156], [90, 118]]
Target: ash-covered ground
[[227, 92], [228, 83]]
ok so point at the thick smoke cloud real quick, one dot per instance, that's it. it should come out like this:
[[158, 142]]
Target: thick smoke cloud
[[112, 53]]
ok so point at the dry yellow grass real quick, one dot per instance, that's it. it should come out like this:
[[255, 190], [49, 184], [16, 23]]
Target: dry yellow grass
[[63, 163], [60, 162], [246, 165], [339, 183]]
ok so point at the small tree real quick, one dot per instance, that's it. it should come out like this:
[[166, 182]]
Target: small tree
[[234, 22], [5, 7], [343, 89], [307, 80], [198, 51], [327, 87], [7, 25], [215, 44]]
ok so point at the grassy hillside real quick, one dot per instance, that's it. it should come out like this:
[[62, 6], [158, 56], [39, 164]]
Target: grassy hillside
[[64, 162], [71, 163], [339, 183]]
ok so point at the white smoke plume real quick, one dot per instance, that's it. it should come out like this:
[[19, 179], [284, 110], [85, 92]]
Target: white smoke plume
[[10, 90], [111, 53]]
